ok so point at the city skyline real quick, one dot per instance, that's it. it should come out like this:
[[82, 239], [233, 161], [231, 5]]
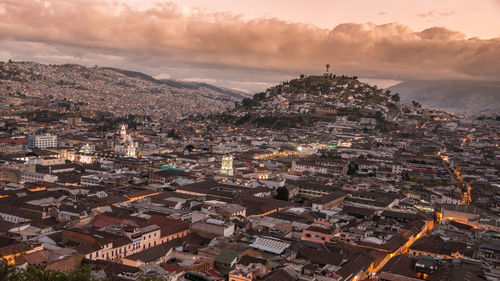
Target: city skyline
[[250, 47], [274, 140]]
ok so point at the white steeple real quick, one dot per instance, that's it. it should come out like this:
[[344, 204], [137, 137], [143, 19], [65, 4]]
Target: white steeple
[[123, 130], [126, 146], [227, 165]]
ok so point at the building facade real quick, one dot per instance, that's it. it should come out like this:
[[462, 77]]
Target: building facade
[[42, 141]]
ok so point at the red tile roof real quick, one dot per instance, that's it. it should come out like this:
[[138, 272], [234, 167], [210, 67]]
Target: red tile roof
[[14, 141]]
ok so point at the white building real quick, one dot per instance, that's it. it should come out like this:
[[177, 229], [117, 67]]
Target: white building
[[32, 176], [227, 165], [90, 180], [126, 145], [42, 141]]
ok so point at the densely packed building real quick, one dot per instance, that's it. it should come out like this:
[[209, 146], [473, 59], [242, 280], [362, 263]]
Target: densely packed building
[[205, 199]]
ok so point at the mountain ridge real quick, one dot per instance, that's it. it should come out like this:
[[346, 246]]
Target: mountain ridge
[[178, 83], [464, 97], [109, 89]]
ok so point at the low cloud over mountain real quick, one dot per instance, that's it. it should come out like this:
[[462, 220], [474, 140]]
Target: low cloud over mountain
[[472, 97], [197, 44]]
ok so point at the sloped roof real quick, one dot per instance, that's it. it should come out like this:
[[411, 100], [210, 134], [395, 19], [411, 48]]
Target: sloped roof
[[271, 245], [279, 275], [400, 264], [227, 256], [154, 253]]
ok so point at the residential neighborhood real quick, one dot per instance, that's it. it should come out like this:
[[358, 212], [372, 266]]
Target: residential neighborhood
[[321, 178]]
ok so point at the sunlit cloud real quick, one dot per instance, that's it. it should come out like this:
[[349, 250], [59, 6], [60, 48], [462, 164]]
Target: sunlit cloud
[[168, 38], [162, 76], [436, 14], [200, 80]]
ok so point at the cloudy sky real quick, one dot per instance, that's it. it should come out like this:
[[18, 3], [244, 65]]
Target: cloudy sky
[[251, 45]]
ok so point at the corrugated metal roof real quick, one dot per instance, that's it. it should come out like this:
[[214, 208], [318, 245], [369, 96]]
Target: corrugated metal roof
[[271, 245]]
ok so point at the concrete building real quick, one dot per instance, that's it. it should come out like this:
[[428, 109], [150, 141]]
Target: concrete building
[[42, 141], [212, 228]]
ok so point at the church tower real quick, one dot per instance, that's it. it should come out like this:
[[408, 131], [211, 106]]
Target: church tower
[[125, 145], [123, 130], [227, 165]]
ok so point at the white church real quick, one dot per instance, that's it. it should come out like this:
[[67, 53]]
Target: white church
[[125, 145]]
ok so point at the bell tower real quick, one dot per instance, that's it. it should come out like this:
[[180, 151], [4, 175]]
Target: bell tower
[[123, 130], [227, 165]]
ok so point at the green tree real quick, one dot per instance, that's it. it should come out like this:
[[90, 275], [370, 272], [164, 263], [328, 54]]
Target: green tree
[[190, 147], [172, 134], [155, 277], [259, 96], [282, 193], [405, 176], [32, 273], [246, 118], [352, 168], [396, 97], [4, 270], [247, 102]]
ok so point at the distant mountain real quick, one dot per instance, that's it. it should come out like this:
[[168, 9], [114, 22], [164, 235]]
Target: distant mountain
[[121, 92], [179, 84], [472, 97]]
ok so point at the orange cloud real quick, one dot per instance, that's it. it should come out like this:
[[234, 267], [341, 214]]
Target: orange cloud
[[168, 34]]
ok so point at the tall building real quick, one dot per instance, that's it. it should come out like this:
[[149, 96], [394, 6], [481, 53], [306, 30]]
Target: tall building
[[227, 165], [125, 144], [42, 141]]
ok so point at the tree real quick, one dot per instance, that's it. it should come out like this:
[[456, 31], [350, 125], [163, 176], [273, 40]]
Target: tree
[[246, 118], [353, 167], [154, 277], [395, 97], [4, 270], [259, 96], [282, 193], [405, 176], [32, 273], [247, 102], [172, 134], [190, 147], [388, 92]]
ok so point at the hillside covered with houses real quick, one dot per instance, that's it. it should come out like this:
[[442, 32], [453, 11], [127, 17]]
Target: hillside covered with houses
[[307, 100]]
